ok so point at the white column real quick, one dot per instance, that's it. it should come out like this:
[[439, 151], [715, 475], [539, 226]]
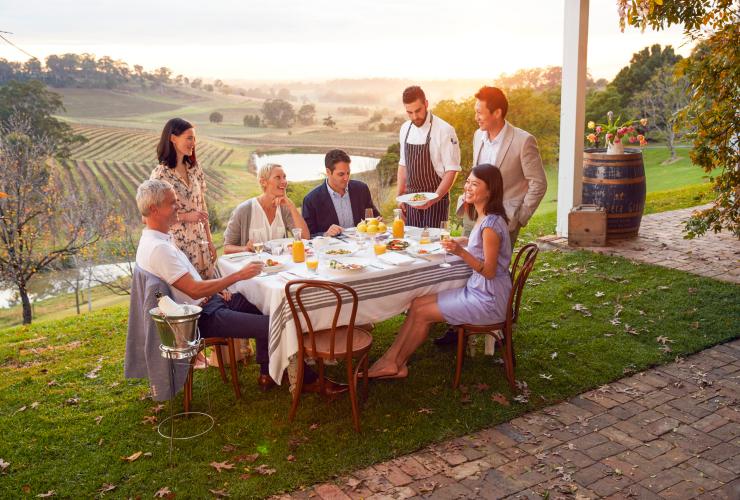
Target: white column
[[572, 110]]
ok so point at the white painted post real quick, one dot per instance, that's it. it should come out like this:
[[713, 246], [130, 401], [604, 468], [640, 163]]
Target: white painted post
[[572, 110]]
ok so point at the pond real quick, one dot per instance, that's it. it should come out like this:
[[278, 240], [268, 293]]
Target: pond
[[307, 167], [47, 285]]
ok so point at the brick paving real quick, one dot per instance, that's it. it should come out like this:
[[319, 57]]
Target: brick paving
[[670, 432], [661, 242]]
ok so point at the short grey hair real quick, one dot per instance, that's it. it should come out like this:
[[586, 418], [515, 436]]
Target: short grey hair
[[265, 171], [151, 193]]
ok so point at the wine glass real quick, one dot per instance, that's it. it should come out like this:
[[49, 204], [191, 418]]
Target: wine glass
[[444, 235], [369, 214]]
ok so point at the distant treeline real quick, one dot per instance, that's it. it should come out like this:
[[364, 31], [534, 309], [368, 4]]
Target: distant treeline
[[86, 71]]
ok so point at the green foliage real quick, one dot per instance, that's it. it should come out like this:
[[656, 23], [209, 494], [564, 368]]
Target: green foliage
[[278, 113], [87, 418], [532, 111], [306, 114], [252, 121], [388, 166], [32, 102], [694, 15], [215, 117], [329, 122]]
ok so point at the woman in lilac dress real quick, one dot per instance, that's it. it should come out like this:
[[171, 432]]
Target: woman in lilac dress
[[484, 297]]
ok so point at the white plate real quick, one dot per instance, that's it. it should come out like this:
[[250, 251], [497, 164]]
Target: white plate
[[333, 251], [409, 242], [415, 232], [408, 198], [426, 250], [283, 260], [361, 263]]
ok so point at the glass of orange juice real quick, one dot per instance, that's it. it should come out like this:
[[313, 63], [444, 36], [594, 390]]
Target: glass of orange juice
[[299, 251], [312, 264], [379, 246]]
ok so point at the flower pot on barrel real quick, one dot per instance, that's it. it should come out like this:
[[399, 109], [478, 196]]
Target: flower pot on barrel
[[614, 177]]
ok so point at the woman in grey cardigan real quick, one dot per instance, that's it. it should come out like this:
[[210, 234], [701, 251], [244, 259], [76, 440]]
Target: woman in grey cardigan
[[269, 216]]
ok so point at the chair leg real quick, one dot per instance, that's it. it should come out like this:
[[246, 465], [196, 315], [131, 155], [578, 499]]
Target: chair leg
[[365, 378], [460, 355], [220, 358], [322, 380], [353, 395], [297, 389], [234, 368], [508, 355]]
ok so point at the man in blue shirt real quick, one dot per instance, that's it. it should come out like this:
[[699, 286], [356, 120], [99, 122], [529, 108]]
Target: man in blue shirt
[[339, 202]]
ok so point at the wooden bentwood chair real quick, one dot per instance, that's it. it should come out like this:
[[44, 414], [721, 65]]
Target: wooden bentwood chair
[[216, 342], [335, 343], [503, 333]]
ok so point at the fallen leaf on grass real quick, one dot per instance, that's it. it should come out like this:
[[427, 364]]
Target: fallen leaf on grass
[[582, 309], [546, 376], [228, 448], [353, 483], [500, 399], [150, 419], [662, 340], [72, 401], [156, 409], [106, 488], [291, 458], [553, 355], [466, 399], [521, 398], [48, 494], [245, 476], [554, 326], [3, 464], [164, 493], [663, 287], [313, 427], [219, 466], [425, 411], [665, 349], [599, 294], [245, 458], [98, 419], [35, 405], [51, 383], [133, 457], [219, 493], [264, 470], [22, 408], [481, 387]]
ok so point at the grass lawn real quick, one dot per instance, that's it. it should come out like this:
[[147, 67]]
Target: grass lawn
[[69, 416]]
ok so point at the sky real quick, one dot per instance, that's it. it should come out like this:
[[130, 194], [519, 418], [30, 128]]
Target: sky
[[323, 39]]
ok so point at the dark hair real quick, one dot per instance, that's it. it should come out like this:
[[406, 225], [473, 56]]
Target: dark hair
[[166, 150], [335, 156], [413, 94], [494, 98], [495, 183]]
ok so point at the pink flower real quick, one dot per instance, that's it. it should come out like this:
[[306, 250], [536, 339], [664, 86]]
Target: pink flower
[[609, 136], [617, 141], [598, 129], [641, 138], [633, 139]]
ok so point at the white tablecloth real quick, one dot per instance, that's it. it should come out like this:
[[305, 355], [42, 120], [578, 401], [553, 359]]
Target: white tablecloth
[[383, 293]]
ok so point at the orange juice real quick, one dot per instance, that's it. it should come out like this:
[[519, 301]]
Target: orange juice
[[312, 264], [379, 248], [398, 225], [299, 251]]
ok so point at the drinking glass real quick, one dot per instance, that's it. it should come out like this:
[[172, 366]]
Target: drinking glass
[[369, 214], [444, 235]]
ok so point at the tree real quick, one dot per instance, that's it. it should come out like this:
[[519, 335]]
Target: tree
[[388, 166], [208, 87], [252, 121], [216, 117], [32, 102], [278, 113], [306, 114], [643, 65], [35, 203], [661, 102], [329, 122], [713, 72]]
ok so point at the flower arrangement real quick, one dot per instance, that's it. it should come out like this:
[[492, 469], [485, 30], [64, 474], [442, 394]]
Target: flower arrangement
[[615, 133]]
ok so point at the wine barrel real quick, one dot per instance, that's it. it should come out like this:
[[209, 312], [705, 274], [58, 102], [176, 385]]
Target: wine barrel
[[617, 183]]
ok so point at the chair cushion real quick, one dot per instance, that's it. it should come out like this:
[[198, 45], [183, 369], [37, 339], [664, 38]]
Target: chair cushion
[[361, 340]]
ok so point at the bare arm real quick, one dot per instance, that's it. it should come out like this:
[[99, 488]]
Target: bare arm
[[491, 244], [238, 248], [202, 289], [298, 220]]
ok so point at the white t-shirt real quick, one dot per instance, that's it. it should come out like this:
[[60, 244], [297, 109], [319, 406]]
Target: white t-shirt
[[158, 255], [260, 230], [489, 148], [444, 147]]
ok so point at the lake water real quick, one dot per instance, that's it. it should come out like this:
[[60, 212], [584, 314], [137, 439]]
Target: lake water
[[308, 167], [46, 285]]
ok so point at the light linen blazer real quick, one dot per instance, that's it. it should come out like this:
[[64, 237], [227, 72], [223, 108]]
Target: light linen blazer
[[524, 177]]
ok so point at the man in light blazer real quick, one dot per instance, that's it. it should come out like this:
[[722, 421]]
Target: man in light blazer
[[514, 151]]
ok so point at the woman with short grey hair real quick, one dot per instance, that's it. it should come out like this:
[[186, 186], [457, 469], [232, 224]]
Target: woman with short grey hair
[[269, 216]]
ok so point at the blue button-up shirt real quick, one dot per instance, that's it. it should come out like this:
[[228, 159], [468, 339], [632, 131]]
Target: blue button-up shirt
[[342, 206]]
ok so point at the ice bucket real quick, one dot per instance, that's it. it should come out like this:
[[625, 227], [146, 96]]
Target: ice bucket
[[178, 334]]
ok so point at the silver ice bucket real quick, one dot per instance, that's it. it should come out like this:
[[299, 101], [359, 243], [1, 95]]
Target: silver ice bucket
[[179, 335]]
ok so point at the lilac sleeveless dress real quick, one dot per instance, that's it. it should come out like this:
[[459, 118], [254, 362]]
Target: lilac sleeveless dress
[[481, 301]]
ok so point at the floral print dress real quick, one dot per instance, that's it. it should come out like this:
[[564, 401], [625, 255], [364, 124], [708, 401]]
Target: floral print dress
[[190, 237]]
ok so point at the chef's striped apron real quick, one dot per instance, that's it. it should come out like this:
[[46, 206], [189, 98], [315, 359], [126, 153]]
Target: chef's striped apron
[[422, 178]]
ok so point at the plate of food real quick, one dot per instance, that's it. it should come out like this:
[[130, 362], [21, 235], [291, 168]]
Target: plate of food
[[341, 250], [397, 245], [346, 265], [416, 199], [273, 265], [430, 249]]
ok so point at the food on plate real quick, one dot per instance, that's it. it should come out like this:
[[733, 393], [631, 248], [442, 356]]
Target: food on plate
[[419, 197], [344, 266], [338, 251], [397, 245], [422, 251], [271, 263]]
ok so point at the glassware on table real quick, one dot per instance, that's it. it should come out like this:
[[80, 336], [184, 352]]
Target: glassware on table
[[258, 247], [299, 250], [369, 214], [444, 235], [424, 238], [379, 246], [276, 249], [399, 227], [312, 264]]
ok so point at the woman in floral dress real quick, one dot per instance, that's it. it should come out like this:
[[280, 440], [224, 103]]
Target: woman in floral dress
[[179, 167]]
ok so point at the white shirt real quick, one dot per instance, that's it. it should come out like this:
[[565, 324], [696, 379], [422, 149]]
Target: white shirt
[[158, 255], [490, 148], [260, 230], [444, 147]]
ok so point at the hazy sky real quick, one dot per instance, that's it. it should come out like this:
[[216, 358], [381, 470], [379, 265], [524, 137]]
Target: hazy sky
[[321, 39]]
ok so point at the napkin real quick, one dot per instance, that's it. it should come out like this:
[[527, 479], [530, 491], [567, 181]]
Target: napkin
[[395, 259], [171, 308]]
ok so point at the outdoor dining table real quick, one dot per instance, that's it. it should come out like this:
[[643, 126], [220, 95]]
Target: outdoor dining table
[[384, 290]]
